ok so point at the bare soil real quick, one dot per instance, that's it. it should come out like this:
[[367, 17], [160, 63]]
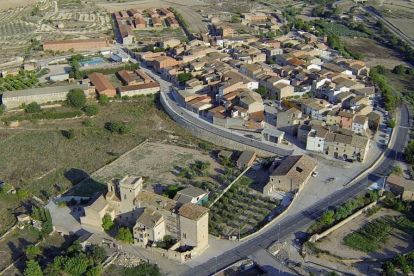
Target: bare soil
[[7, 4], [159, 163], [374, 53]]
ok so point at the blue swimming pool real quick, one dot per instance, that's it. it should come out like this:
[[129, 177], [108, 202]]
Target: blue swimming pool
[[95, 60]]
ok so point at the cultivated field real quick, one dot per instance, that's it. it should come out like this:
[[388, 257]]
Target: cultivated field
[[7, 4], [374, 53], [398, 241], [48, 20]]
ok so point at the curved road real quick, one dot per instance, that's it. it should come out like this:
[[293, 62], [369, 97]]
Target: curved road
[[297, 223], [392, 28], [174, 106]]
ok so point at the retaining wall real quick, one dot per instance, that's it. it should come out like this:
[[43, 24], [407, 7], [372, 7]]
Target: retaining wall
[[316, 237], [203, 134]]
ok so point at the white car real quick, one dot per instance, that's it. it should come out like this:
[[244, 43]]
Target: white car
[[314, 174]]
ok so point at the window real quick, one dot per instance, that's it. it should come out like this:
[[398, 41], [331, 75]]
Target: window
[[184, 235], [319, 145], [124, 196]]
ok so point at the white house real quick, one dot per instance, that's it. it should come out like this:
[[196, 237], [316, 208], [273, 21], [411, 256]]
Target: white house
[[360, 124]]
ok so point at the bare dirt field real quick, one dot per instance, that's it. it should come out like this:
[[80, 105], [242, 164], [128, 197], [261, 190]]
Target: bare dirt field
[[404, 24], [159, 163], [8, 4], [374, 52], [398, 241]]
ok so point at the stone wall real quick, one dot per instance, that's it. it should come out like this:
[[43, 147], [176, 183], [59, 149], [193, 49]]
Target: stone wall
[[316, 237], [208, 136]]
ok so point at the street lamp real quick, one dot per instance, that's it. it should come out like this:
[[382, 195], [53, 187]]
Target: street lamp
[[215, 270], [278, 235], [383, 185]]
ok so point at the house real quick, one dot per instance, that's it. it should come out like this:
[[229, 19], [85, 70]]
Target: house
[[291, 175], [360, 124], [156, 22], [345, 119], [289, 120], [401, 186], [316, 138], [347, 146], [246, 159], [225, 31], [87, 240], [282, 90], [139, 23], [139, 89], [172, 22], [191, 195], [162, 62], [272, 135], [24, 218], [127, 34], [150, 215], [169, 43], [102, 84], [149, 228]]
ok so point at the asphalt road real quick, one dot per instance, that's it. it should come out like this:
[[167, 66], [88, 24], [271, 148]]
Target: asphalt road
[[389, 25], [165, 92], [297, 224]]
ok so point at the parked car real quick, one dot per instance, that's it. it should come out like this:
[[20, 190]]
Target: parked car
[[314, 174], [349, 160]]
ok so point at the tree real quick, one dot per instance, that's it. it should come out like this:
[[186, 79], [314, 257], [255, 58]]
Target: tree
[[391, 123], [91, 110], [261, 90], [33, 107], [69, 134], [183, 77], [115, 126], [76, 98], [270, 61], [327, 218], [21, 194], [172, 191], [95, 271], [2, 109], [381, 69], [409, 153], [397, 170], [47, 227], [32, 251], [103, 99], [76, 266], [32, 269], [98, 254], [107, 222], [410, 71], [125, 235], [141, 270], [399, 70], [388, 269]]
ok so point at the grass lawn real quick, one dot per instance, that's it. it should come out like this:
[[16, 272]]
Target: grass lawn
[[89, 187], [40, 159]]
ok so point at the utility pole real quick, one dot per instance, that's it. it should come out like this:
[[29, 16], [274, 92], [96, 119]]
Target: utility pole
[[239, 232], [215, 271], [383, 185], [278, 235]]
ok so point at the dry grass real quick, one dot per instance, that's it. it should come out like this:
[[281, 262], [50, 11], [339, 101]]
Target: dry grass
[[40, 159], [374, 52]]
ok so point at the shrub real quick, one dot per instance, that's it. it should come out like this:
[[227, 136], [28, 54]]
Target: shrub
[[32, 269], [125, 235], [107, 222], [391, 123], [69, 134], [91, 110], [76, 98], [33, 107], [32, 251], [21, 194], [103, 99]]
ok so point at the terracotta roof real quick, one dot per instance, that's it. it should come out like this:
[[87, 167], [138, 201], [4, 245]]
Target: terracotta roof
[[192, 211], [125, 76], [138, 86], [246, 156], [396, 180], [99, 204], [360, 119], [149, 218], [158, 201], [100, 82], [126, 30], [293, 110], [359, 142], [346, 114], [297, 167]]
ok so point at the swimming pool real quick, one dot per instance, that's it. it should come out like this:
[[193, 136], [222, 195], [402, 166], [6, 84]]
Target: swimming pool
[[95, 60]]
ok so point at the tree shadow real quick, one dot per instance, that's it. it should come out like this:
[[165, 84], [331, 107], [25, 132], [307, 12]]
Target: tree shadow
[[75, 176]]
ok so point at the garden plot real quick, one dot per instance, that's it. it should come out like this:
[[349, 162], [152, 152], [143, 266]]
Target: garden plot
[[241, 210], [395, 241], [165, 33]]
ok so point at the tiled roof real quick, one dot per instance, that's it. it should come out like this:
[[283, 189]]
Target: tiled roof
[[100, 82], [192, 211], [149, 218], [158, 201], [297, 167]]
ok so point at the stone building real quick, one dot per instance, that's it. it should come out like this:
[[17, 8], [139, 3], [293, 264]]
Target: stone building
[[291, 175], [151, 216], [12, 99]]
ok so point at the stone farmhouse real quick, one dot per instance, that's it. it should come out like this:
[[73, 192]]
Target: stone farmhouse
[[151, 216], [291, 175]]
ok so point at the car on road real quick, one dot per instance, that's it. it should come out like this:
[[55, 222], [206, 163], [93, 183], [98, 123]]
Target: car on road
[[314, 174], [387, 136]]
